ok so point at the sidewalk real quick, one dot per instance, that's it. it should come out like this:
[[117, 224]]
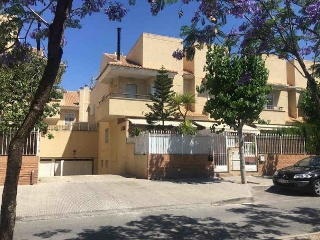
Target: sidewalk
[[61, 196]]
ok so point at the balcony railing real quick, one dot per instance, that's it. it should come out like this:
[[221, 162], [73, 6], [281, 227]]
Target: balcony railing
[[77, 126], [124, 95]]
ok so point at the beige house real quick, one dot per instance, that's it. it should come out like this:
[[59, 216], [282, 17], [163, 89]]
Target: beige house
[[74, 148], [287, 84], [118, 99]]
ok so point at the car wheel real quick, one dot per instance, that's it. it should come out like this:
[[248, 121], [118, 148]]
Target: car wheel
[[316, 187]]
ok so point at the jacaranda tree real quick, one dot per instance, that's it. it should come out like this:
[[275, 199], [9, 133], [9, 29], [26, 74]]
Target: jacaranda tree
[[289, 29]]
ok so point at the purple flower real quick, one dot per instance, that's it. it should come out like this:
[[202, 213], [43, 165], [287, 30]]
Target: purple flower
[[116, 11], [305, 50], [93, 5], [241, 7], [195, 19], [208, 8], [313, 11], [178, 54]]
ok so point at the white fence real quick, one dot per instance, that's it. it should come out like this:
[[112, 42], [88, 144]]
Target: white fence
[[164, 143]]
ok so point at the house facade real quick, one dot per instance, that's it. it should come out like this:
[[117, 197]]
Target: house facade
[[73, 150], [118, 99], [74, 146], [93, 131]]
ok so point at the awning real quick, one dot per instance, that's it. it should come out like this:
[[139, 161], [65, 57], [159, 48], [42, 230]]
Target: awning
[[143, 121], [246, 128], [270, 126]]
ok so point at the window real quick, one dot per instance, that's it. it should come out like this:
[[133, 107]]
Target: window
[[131, 91], [106, 135], [270, 102], [152, 89], [69, 118]]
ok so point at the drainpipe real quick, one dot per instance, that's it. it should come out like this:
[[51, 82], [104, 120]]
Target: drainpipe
[[118, 44]]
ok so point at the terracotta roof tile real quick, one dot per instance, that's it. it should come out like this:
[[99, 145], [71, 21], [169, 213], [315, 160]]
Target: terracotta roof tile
[[127, 63], [70, 99]]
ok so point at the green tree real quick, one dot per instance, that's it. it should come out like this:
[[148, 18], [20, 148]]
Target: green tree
[[161, 109], [18, 83], [182, 102], [310, 128], [238, 90], [307, 105]]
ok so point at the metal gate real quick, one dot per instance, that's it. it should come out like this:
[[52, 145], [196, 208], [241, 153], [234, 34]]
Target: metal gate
[[220, 153]]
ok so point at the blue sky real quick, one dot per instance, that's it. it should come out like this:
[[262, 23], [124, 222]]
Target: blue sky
[[98, 35]]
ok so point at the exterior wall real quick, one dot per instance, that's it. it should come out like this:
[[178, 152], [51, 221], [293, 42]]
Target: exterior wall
[[293, 97], [83, 104], [29, 163], [104, 61], [163, 47], [300, 81], [188, 65], [104, 164], [277, 70], [275, 161], [137, 165], [199, 63], [178, 166], [114, 151], [135, 54], [96, 95], [157, 51], [275, 116], [70, 144]]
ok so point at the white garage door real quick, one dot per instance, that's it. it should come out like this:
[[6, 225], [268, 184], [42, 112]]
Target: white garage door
[[46, 168]]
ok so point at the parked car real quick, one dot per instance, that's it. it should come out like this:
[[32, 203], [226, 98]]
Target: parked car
[[305, 175]]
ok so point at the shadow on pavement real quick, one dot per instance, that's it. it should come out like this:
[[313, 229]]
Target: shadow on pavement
[[259, 222], [191, 180], [288, 192]]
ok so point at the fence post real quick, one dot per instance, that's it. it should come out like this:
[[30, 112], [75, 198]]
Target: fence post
[[281, 144], [256, 145]]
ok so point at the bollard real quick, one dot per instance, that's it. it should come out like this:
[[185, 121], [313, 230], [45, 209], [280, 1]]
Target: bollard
[[32, 177]]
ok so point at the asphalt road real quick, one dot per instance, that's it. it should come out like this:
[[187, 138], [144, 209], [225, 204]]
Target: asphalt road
[[273, 215]]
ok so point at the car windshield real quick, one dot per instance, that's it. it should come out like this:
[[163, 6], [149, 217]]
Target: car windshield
[[308, 162]]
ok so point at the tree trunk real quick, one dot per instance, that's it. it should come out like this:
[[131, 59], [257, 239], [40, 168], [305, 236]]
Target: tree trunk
[[41, 98], [241, 153]]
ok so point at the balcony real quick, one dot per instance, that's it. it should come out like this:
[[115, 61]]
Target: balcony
[[117, 105]]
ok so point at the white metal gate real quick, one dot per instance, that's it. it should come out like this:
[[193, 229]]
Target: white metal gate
[[220, 153]]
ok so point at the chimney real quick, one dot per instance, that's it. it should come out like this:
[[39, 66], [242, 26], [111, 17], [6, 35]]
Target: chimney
[[118, 44]]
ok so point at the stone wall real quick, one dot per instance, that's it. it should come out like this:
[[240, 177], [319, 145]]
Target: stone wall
[[29, 163]]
